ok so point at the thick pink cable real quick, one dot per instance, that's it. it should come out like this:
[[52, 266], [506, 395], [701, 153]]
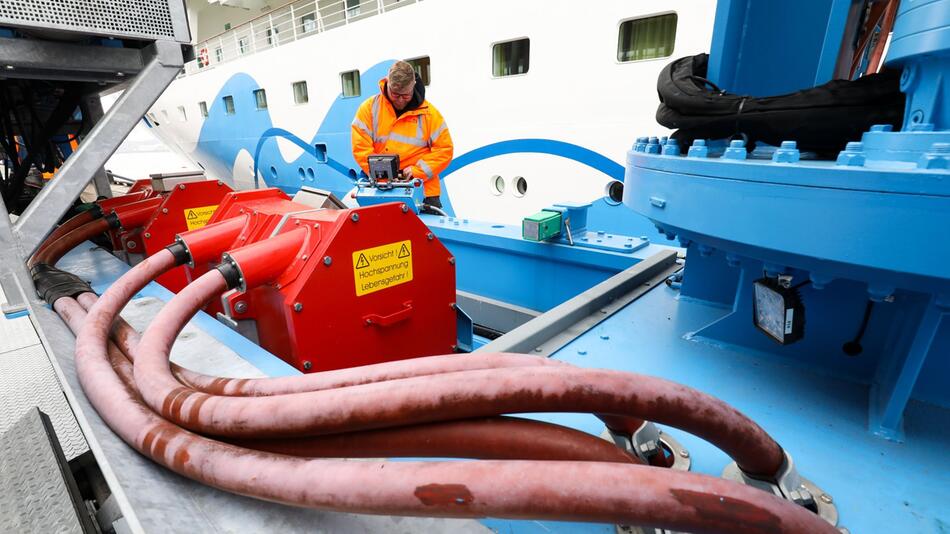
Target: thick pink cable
[[435, 398], [581, 491]]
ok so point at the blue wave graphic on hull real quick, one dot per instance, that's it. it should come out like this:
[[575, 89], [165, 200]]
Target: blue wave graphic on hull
[[224, 135]]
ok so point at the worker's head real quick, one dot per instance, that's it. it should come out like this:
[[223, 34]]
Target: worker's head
[[400, 84]]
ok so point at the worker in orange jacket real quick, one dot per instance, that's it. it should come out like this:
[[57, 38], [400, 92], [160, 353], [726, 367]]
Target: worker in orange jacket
[[399, 120]]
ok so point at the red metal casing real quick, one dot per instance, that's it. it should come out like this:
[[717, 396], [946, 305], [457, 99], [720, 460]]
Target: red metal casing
[[366, 285], [141, 190], [262, 210], [187, 206]]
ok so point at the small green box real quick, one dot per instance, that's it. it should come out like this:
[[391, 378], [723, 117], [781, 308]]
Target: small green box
[[541, 226]]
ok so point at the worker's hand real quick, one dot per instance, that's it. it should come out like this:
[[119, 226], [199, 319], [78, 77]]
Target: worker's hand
[[407, 173]]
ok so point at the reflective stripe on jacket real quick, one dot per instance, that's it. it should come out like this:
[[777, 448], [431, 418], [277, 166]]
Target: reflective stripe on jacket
[[420, 137]]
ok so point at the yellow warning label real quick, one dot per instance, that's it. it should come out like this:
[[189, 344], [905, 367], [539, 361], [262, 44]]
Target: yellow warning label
[[378, 268], [198, 217]]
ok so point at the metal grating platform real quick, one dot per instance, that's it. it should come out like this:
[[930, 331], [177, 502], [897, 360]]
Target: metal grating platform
[[34, 495], [148, 19], [27, 379]]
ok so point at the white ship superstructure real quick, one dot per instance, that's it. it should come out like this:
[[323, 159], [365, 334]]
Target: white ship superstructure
[[542, 98]]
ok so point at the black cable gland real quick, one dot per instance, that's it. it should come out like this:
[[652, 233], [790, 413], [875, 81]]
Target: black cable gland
[[180, 252], [231, 273], [113, 220], [96, 210]]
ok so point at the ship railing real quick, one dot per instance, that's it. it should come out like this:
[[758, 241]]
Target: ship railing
[[284, 25]]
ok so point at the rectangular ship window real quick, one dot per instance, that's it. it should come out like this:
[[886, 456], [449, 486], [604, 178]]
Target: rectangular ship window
[[300, 93], [351, 83], [646, 38], [228, 104], [422, 66], [218, 55], [260, 98], [510, 58], [352, 8], [181, 112], [308, 23], [203, 108]]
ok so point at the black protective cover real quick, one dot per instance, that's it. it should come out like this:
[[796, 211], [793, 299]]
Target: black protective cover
[[821, 119], [52, 283]]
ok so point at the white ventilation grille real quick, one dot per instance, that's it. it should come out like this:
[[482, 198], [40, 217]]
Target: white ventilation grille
[[140, 18]]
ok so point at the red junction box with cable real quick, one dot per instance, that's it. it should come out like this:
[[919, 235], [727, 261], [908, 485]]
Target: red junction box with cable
[[359, 286]]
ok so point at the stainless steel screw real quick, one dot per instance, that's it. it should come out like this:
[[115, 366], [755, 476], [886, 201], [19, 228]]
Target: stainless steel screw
[[825, 498], [327, 260], [147, 235], [355, 217], [405, 208], [181, 186], [298, 307], [684, 453], [240, 306], [307, 365], [430, 236]]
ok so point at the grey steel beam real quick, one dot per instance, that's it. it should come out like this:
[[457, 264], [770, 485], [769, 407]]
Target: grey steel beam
[[494, 314], [555, 328], [164, 63], [94, 113], [51, 60]]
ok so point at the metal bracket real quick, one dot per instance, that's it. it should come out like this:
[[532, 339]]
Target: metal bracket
[[15, 304], [791, 486]]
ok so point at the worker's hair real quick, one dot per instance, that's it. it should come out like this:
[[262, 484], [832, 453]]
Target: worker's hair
[[401, 75]]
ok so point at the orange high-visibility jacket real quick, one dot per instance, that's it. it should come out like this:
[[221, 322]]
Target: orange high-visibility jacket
[[420, 137]]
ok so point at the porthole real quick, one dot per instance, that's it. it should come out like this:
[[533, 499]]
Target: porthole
[[273, 172], [497, 185], [310, 174], [521, 186], [301, 173]]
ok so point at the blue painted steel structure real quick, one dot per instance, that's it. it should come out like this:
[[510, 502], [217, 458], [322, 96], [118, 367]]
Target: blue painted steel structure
[[494, 261], [871, 225]]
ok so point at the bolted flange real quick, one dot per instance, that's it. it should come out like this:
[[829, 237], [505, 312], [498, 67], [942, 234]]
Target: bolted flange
[[789, 485]]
